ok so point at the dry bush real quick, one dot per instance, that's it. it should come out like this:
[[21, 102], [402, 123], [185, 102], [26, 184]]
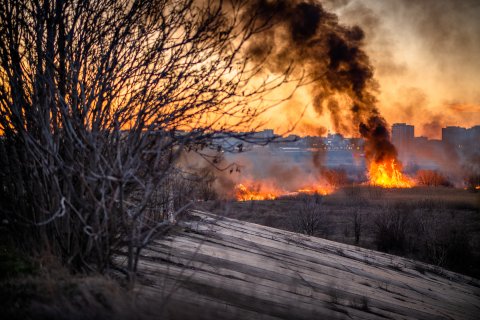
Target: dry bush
[[354, 195], [59, 295], [359, 221], [432, 178], [98, 100], [442, 240], [309, 218], [390, 227], [335, 177]]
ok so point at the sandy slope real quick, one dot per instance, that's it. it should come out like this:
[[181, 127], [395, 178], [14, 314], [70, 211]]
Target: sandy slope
[[228, 269]]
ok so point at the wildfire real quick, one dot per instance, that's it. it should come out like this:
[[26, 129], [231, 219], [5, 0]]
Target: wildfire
[[385, 174], [388, 175], [323, 190], [242, 193], [258, 192]]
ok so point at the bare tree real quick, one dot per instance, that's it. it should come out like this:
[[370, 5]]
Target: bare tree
[[391, 227], [358, 220], [97, 101], [310, 217], [431, 178], [335, 177]]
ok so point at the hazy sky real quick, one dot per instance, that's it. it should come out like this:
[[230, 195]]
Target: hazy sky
[[426, 56]]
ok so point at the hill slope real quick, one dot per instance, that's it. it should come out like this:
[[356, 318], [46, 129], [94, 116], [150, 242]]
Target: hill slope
[[223, 268]]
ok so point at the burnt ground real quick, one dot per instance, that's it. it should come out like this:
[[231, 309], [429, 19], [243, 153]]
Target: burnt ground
[[439, 225]]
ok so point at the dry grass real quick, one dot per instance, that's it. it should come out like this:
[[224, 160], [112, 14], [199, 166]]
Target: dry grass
[[55, 294], [450, 219]]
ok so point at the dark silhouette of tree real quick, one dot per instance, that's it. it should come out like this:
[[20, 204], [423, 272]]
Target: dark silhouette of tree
[[97, 101]]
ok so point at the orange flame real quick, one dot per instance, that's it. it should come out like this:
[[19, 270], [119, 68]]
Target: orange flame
[[261, 192], [242, 193], [323, 190], [388, 174]]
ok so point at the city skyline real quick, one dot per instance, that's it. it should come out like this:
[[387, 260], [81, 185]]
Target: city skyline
[[475, 129]]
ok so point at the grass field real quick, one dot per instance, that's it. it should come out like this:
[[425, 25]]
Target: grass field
[[435, 225]]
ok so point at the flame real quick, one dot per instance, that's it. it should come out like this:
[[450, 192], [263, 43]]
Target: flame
[[259, 191], [323, 190], [242, 193], [388, 174]]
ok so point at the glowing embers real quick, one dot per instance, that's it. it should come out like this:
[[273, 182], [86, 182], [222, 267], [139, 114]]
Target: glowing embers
[[259, 191], [388, 174]]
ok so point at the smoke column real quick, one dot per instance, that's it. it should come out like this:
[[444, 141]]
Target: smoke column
[[303, 33]]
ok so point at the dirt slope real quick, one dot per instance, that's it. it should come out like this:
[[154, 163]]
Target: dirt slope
[[222, 268]]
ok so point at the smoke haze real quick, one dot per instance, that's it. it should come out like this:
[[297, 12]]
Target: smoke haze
[[424, 48], [334, 61]]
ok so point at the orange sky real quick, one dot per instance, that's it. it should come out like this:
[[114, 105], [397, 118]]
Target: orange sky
[[426, 56]]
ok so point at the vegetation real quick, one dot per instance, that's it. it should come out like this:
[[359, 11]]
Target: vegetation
[[98, 100], [309, 218], [436, 225]]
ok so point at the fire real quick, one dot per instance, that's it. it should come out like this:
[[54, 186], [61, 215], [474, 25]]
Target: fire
[[260, 192], [242, 193], [388, 174], [323, 190]]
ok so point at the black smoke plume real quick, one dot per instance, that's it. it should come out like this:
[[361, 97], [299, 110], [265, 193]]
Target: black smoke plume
[[332, 56]]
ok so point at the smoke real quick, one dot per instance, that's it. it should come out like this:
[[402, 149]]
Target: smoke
[[379, 148], [431, 46], [283, 172], [334, 61]]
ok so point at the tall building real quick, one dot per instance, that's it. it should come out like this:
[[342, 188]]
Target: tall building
[[403, 135], [454, 136], [473, 135]]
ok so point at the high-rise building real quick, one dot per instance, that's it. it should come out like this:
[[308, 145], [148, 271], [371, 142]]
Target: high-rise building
[[473, 135], [454, 136], [403, 135]]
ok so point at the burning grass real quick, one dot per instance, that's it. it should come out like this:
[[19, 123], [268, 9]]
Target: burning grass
[[244, 193], [262, 191], [385, 174], [388, 174]]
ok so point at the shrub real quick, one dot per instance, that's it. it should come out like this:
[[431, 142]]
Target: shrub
[[359, 221], [432, 178], [309, 218], [391, 226]]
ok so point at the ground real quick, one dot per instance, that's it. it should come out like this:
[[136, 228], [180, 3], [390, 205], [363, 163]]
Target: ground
[[223, 268], [439, 225]]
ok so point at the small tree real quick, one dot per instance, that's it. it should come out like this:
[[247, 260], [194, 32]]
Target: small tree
[[309, 218], [335, 177], [431, 178], [97, 101], [391, 227], [358, 220]]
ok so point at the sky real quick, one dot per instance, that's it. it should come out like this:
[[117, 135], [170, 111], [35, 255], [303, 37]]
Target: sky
[[426, 60]]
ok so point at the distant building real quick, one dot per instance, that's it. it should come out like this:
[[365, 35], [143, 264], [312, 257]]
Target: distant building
[[454, 136], [421, 139], [265, 134], [403, 135], [473, 135], [420, 142]]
